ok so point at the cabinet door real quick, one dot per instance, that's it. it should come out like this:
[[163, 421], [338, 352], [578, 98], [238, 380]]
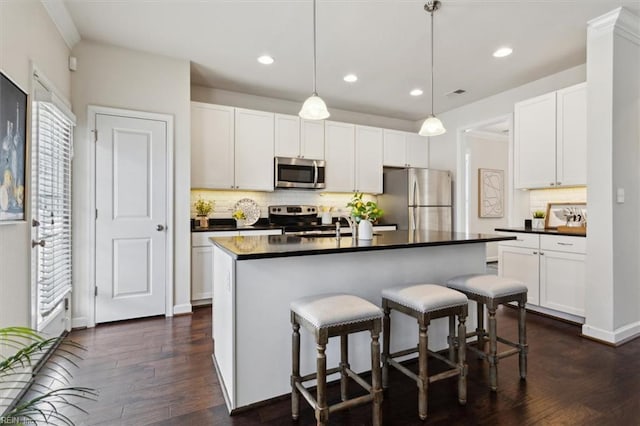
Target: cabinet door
[[339, 151], [312, 139], [201, 273], [254, 150], [521, 264], [572, 136], [417, 150], [212, 138], [369, 159], [394, 148], [535, 142], [287, 135], [562, 281]]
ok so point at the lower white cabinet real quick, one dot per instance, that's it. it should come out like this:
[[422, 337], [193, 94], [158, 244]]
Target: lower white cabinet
[[552, 267], [202, 263]]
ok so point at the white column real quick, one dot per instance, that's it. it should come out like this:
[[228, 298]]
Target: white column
[[613, 164]]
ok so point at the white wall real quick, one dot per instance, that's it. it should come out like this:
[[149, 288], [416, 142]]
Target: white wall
[[122, 78], [261, 103], [486, 152], [26, 34], [445, 150]]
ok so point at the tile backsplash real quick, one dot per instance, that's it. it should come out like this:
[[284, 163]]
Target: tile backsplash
[[538, 198], [226, 200]]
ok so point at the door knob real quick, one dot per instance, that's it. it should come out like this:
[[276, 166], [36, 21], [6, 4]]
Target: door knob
[[160, 228], [40, 243]]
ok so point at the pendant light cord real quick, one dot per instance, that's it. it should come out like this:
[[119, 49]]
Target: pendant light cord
[[314, 48], [432, 94]]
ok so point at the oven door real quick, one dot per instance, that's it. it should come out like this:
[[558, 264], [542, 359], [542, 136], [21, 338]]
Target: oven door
[[299, 173]]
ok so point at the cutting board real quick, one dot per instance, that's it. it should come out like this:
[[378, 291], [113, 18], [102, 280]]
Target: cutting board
[[580, 230]]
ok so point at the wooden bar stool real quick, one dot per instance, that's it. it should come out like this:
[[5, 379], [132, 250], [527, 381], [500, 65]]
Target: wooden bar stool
[[425, 302], [329, 315], [492, 291]]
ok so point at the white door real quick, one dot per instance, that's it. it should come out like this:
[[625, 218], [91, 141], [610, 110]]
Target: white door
[[131, 188], [521, 264]]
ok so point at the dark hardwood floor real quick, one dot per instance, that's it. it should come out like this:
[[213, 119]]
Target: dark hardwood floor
[[159, 371]]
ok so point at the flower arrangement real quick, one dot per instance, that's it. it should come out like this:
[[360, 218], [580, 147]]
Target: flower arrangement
[[239, 215], [539, 214], [203, 207], [364, 210]]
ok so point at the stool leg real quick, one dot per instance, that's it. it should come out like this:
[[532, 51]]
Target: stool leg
[[522, 338], [295, 371], [452, 338], [376, 388], [386, 344], [423, 376], [322, 411], [493, 349], [462, 357], [480, 330], [344, 364]]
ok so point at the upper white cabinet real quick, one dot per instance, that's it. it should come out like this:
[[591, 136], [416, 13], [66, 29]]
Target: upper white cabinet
[[403, 149], [298, 138], [254, 150], [354, 158], [212, 140], [550, 139]]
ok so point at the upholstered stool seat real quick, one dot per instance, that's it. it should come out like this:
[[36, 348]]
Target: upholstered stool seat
[[329, 315], [492, 291], [425, 302]]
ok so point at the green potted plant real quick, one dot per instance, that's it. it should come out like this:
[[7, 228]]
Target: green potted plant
[[240, 218], [365, 213], [203, 208], [40, 382], [538, 219]]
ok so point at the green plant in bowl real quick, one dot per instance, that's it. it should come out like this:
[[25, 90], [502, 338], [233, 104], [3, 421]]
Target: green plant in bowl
[[539, 214]]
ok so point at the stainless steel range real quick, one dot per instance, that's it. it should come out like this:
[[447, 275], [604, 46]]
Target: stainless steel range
[[300, 220]]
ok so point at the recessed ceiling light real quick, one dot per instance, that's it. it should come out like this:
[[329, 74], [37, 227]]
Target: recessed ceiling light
[[416, 92], [502, 52], [265, 60], [350, 78]]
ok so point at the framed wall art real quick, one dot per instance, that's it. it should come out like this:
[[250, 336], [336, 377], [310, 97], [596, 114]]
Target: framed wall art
[[490, 193], [560, 214], [13, 151]]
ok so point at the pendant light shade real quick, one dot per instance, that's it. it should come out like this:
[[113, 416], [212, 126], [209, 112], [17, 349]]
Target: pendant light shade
[[314, 107], [432, 126]]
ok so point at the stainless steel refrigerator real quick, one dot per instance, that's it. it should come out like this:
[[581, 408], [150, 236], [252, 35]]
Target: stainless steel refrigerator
[[417, 199]]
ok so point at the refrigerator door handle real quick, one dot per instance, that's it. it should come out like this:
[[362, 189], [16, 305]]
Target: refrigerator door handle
[[415, 193]]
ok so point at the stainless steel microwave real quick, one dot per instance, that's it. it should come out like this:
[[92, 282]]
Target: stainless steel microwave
[[299, 173]]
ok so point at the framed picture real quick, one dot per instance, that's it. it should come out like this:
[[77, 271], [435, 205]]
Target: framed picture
[[13, 151], [490, 193], [557, 213]]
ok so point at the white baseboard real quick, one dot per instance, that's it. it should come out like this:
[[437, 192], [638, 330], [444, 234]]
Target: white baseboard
[[615, 337], [184, 308], [79, 322]]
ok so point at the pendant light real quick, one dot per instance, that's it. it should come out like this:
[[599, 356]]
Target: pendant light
[[432, 126], [314, 107]]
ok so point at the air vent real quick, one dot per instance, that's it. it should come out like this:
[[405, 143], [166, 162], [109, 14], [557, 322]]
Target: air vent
[[456, 92]]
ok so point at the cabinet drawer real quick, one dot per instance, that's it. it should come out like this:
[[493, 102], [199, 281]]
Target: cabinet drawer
[[522, 240], [201, 239], [563, 243]]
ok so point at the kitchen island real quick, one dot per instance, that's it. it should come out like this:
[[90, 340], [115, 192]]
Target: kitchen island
[[256, 277]]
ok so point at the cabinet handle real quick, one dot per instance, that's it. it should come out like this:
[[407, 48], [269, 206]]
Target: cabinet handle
[[565, 244], [552, 184], [535, 252], [559, 183], [541, 253], [231, 187]]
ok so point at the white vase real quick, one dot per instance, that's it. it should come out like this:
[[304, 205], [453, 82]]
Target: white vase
[[538, 223], [365, 230]]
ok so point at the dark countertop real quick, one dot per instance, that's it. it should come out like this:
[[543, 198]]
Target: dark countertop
[[261, 247], [539, 231], [230, 225]]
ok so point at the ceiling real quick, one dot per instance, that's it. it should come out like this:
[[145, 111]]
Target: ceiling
[[384, 42]]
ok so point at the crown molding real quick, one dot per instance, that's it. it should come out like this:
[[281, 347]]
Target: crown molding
[[620, 21], [62, 19]]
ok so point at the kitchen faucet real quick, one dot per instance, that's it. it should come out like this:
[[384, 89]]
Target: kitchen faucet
[[350, 221]]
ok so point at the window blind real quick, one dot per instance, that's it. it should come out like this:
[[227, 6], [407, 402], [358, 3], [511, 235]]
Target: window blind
[[52, 151]]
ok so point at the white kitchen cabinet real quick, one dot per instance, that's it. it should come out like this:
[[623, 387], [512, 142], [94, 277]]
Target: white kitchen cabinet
[[404, 149], [340, 154], [550, 139], [553, 269], [201, 260], [212, 140], [254, 151], [299, 138], [368, 167]]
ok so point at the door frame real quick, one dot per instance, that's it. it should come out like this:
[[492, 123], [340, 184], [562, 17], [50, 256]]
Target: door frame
[[92, 112]]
